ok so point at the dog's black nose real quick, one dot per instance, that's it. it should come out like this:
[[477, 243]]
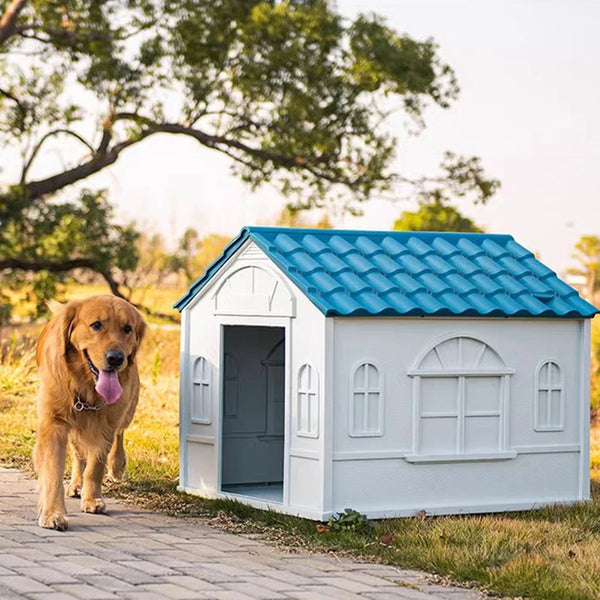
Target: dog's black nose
[[114, 359]]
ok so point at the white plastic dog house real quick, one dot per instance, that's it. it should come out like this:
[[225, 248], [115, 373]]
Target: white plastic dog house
[[388, 372]]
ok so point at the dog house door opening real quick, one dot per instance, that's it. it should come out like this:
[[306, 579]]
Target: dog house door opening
[[253, 411]]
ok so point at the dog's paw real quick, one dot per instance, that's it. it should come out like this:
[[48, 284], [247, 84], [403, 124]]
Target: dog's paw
[[116, 473], [93, 505], [73, 490], [54, 520]]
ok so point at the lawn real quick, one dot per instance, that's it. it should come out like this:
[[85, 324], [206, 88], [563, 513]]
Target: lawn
[[550, 554]]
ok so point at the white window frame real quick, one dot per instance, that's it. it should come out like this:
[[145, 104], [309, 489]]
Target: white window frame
[[547, 388], [308, 402], [460, 414], [201, 384], [366, 390]]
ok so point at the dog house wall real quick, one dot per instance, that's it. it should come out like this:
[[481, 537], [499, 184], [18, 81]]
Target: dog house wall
[[506, 464], [250, 291], [358, 431]]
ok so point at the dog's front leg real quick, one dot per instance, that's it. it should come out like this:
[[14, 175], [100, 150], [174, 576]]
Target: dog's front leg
[[49, 459], [117, 458], [78, 467], [91, 490]]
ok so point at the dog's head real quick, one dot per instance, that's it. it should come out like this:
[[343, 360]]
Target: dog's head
[[106, 331]]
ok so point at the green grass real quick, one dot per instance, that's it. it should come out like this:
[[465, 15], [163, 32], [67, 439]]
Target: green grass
[[549, 554]]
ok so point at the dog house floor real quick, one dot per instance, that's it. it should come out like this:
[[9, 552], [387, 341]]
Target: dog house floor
[[270, 492]]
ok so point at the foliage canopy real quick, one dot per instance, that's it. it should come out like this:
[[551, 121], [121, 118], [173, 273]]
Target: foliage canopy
[[292, 92]]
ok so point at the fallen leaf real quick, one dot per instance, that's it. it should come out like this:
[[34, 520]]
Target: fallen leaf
[[321, 528]]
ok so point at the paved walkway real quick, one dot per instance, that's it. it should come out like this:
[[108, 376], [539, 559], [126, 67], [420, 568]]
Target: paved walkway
[[139, 555]]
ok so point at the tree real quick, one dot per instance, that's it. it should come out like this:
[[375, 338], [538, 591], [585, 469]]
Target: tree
[[587, 255], [293, 93], [436, 215]]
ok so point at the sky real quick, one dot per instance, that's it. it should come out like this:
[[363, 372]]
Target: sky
[[530, 97]]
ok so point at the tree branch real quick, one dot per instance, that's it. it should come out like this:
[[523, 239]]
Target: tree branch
[[37, 189], [105, 156], [9, 19], [35, 151], [52, 267]]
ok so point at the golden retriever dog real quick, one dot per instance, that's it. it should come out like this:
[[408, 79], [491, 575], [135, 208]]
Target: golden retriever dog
[[89, 387]]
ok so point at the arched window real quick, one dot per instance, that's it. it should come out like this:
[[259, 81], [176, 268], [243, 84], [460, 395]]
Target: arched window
[[307, 417], [460, 399], [366, 401], [549, 405], [201, 391]]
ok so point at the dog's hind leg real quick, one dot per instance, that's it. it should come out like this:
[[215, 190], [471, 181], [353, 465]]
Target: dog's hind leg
[[77, 469], [117, 458], [49, 458]]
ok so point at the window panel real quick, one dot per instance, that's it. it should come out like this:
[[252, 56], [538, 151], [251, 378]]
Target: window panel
[[366, 401], [481, 434], [201, 392], [307, 417], [438, 435], [439, 394], [482, 394], [549, 398]]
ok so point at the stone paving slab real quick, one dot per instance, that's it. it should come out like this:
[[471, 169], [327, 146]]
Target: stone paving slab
[[132, 554]]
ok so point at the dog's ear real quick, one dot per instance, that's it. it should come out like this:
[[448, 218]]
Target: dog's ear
[[66, 318], [140, 331], [55, 338], [54, 306]]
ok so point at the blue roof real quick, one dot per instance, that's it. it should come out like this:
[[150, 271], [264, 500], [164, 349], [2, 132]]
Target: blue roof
[[407, 273]]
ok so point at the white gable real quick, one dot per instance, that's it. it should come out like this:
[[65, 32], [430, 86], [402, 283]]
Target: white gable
[[252, 286]]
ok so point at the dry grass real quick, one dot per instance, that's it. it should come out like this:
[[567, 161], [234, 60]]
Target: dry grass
[[550, 554]]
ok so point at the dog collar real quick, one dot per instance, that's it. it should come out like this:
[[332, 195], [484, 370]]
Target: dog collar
[[91, 365], [81, 405]]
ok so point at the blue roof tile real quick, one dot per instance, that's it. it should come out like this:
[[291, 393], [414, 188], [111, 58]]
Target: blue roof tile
[[438, 264], [352, 282], [332, 262], [412, 264], [464, 265], [385, 264], [516, 249], [418, 247], [433, 283], [359, 263], [494, 250], [367, 246], [406, 283], [443, 247], [468, 248], [460, 284], [489, 265], [402, 273]]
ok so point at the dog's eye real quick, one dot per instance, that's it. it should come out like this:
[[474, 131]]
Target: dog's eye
[[96, 326], [127, 329]]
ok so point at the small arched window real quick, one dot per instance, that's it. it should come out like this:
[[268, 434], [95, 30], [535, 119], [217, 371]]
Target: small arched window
[[549, 405], [307, 423], [201, 391], [366, 401]]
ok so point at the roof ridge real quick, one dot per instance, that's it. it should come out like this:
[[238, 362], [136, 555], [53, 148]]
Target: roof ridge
[[372, 232]]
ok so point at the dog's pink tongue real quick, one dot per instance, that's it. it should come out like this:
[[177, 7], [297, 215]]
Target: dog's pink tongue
[[108, 386]]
